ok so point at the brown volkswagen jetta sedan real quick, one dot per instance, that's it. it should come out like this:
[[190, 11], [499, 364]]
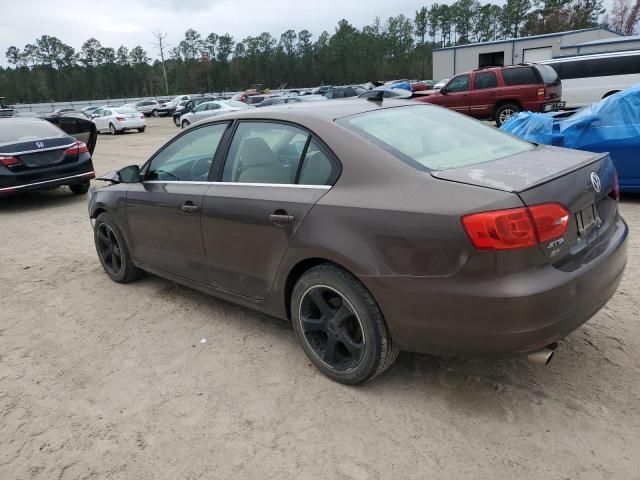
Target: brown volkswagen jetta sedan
[[373, 226]]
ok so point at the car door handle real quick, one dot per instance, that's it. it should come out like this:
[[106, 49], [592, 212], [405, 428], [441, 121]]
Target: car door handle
[[189, 207], [281, 218]]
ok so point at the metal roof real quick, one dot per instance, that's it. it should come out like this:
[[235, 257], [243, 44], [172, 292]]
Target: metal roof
[[522, 39], [604, 41]]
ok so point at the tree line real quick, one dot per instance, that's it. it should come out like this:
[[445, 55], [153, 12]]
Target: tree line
[[398, 47]]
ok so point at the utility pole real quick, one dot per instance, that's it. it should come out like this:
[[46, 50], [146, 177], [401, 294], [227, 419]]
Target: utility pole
[[161, 45]]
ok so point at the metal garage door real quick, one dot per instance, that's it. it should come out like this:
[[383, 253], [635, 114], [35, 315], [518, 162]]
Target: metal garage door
[[530, 55]]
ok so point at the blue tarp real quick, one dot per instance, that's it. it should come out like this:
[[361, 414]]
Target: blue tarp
[[610, 125], [402, 85]]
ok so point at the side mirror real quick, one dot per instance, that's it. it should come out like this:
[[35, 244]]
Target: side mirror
[[130, 174]]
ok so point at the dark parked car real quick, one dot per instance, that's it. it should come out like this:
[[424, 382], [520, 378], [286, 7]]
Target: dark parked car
[[373, 226], [35, 154], [500, 92], [189, 106], [344, 92]]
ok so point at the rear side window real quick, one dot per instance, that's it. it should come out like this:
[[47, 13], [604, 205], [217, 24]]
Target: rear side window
[[547, 73], [486, 80], [520, 76], [430, 138], [316, 166]]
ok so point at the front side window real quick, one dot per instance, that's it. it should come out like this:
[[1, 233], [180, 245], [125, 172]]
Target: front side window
[[264, 152], [486, 80], [189, 157], [430, 138], [458, 84]]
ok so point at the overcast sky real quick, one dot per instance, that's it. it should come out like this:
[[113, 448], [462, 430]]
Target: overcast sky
[[130, 22]]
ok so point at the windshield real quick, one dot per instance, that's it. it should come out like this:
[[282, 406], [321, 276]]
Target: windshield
[[432, 138]]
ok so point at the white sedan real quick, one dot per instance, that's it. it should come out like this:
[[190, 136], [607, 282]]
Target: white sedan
[[210, 109], [118, 119]]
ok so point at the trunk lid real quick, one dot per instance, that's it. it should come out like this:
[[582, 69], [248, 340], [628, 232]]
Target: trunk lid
[[580, 181]]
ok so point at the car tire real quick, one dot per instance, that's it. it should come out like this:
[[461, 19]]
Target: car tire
[[176, 121], [141, 130], [345, 337], [154, 112], [185, 123], [112, 129], [79, 188], [122, 269], [505, 111]]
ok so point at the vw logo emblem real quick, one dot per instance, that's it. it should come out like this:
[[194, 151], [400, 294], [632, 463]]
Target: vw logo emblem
[[595, 181], [40, 144]]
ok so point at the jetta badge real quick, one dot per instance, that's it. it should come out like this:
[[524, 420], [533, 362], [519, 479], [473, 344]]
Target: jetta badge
[[40, 144], [595, 181]]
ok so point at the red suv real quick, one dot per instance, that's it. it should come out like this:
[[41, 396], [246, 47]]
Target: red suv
[[500, 92]]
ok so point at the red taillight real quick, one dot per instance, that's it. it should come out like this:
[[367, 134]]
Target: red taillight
[[541, 93], [517, 227], [76, 149], [120, 119], [9, 161], [551, 220], [615, 193]]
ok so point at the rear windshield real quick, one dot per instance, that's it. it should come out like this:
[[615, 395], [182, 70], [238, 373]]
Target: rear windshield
[[547, 73], [520, 76], [14, 132], [433, 138], [124, 110]]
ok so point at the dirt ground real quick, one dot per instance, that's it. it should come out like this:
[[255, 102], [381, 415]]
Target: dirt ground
[[106, 381]]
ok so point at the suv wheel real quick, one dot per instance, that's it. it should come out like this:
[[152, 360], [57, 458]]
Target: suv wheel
[[505, 112], [340, 326]]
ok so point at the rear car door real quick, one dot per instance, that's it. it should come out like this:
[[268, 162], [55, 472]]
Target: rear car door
[[163, 211], [484, 94], [456, 94], [272, 176]]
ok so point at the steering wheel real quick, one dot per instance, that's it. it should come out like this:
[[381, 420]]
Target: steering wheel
[[200, 168]]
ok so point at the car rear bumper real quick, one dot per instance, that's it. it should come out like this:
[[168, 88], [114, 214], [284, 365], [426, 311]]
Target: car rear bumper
[[50, 183], [130, 124], [520, 313]]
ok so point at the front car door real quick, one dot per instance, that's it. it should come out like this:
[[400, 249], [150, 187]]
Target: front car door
[[456, 94], [272, 176], [484, 94], [163, 211]]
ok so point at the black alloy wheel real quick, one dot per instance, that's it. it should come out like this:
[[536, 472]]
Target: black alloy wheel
[[340, 326], [109, 249], [113, 251], [332, 328]]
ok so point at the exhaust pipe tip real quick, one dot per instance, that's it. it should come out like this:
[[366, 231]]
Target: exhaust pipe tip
[[542, 356]]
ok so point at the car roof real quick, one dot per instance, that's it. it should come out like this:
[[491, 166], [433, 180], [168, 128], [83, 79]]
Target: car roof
[[327, 111]]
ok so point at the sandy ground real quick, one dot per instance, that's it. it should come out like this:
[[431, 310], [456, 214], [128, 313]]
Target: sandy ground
[[106, 381]]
